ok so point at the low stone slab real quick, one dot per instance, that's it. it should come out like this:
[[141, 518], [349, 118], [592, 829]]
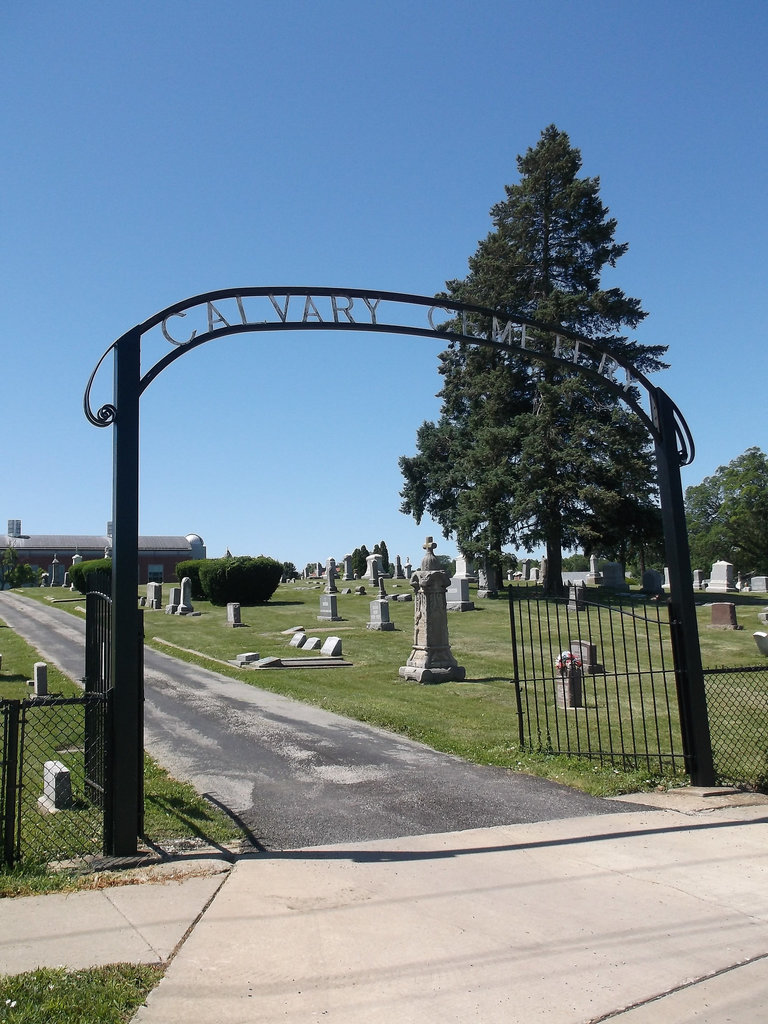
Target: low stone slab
[[246, 659], [298, 640], [313, 643], [332, 647], [724, 616]]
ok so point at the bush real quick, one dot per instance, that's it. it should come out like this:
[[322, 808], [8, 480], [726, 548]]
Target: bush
[[191, 568], [246, 580], [79, 573]]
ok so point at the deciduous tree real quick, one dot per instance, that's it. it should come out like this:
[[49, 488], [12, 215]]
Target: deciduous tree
[[727, 515]]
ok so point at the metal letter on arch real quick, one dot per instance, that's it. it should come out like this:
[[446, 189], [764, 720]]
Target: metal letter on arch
[[387, 313]]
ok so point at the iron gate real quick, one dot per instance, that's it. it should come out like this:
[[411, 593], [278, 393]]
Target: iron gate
[[596, 680], [99, 731], [98, 679]]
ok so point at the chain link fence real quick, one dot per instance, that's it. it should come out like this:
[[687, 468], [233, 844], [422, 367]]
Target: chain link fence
[[737, 704], [53, 777]]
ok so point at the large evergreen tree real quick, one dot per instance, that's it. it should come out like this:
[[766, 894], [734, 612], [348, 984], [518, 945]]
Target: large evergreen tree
[[530, 453]]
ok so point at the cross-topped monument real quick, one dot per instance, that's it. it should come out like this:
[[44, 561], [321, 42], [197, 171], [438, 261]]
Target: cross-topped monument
[[430, 660]]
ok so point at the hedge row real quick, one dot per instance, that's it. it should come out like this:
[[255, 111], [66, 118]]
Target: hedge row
[[79, 573], [221, 580]]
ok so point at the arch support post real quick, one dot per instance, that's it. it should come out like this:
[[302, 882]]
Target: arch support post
[[127, 741], [685, 632]]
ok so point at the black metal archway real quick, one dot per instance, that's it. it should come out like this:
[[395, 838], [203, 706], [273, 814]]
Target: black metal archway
[[192, 322]]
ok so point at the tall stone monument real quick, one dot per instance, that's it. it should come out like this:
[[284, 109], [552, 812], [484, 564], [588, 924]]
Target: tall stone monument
[[431, 660]]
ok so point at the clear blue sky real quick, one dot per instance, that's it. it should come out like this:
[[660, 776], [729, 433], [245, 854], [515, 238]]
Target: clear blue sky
[[156, 150]]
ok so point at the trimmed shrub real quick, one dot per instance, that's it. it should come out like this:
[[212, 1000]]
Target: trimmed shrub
[[79, 573], [246, 580], [191, 568]]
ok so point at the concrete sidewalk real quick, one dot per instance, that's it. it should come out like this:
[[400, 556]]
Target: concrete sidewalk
[[660, 915], [654, 915], [141, 922]]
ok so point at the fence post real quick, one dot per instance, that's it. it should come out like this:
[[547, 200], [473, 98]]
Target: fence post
[[11, 774], [688, 668]]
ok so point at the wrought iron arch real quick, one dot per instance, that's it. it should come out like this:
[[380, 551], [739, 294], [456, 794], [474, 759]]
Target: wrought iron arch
[[229, 311]]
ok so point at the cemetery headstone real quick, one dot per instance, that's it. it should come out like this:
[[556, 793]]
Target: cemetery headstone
[[348, 571], [312, 644], [431, 660], [408, 568], [174, 601], [652, 581], [487, 581], [457, 595], [464, 569], [698, 579], [332, 647], [57, 788], [247, 658], [723, 615], [586, 652], [330, 576], [379, 615], [185, 600], [577, 597], [233, 615], [568, 681], [721, 578], [329, 611], [594, 576], [613, 576], [155, 596], [667, 582], [298, 640], [40, 679], [399, 571], [759, 584]]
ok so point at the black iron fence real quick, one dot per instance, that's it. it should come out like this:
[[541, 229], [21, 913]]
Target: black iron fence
[[596, 680], [53, 750]]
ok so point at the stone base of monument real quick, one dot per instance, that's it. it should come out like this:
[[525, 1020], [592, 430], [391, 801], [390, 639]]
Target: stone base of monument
[[433, 675]]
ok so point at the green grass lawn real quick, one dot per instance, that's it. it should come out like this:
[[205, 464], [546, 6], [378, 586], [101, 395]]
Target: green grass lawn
[[475, 719], [172, 809], [110, 995]]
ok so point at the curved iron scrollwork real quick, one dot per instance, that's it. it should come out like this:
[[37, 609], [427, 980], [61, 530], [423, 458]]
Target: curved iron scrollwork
[[686, 449], [105, 415]]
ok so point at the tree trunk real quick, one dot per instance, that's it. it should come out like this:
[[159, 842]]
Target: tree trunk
[[553, 583]]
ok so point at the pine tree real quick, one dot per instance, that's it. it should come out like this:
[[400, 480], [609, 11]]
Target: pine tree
[[524, 452]]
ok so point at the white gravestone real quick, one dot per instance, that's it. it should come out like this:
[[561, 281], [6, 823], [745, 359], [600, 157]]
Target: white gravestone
[[721, 578], [57, 788], [40, 680], [332, 647], [185, 601]]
